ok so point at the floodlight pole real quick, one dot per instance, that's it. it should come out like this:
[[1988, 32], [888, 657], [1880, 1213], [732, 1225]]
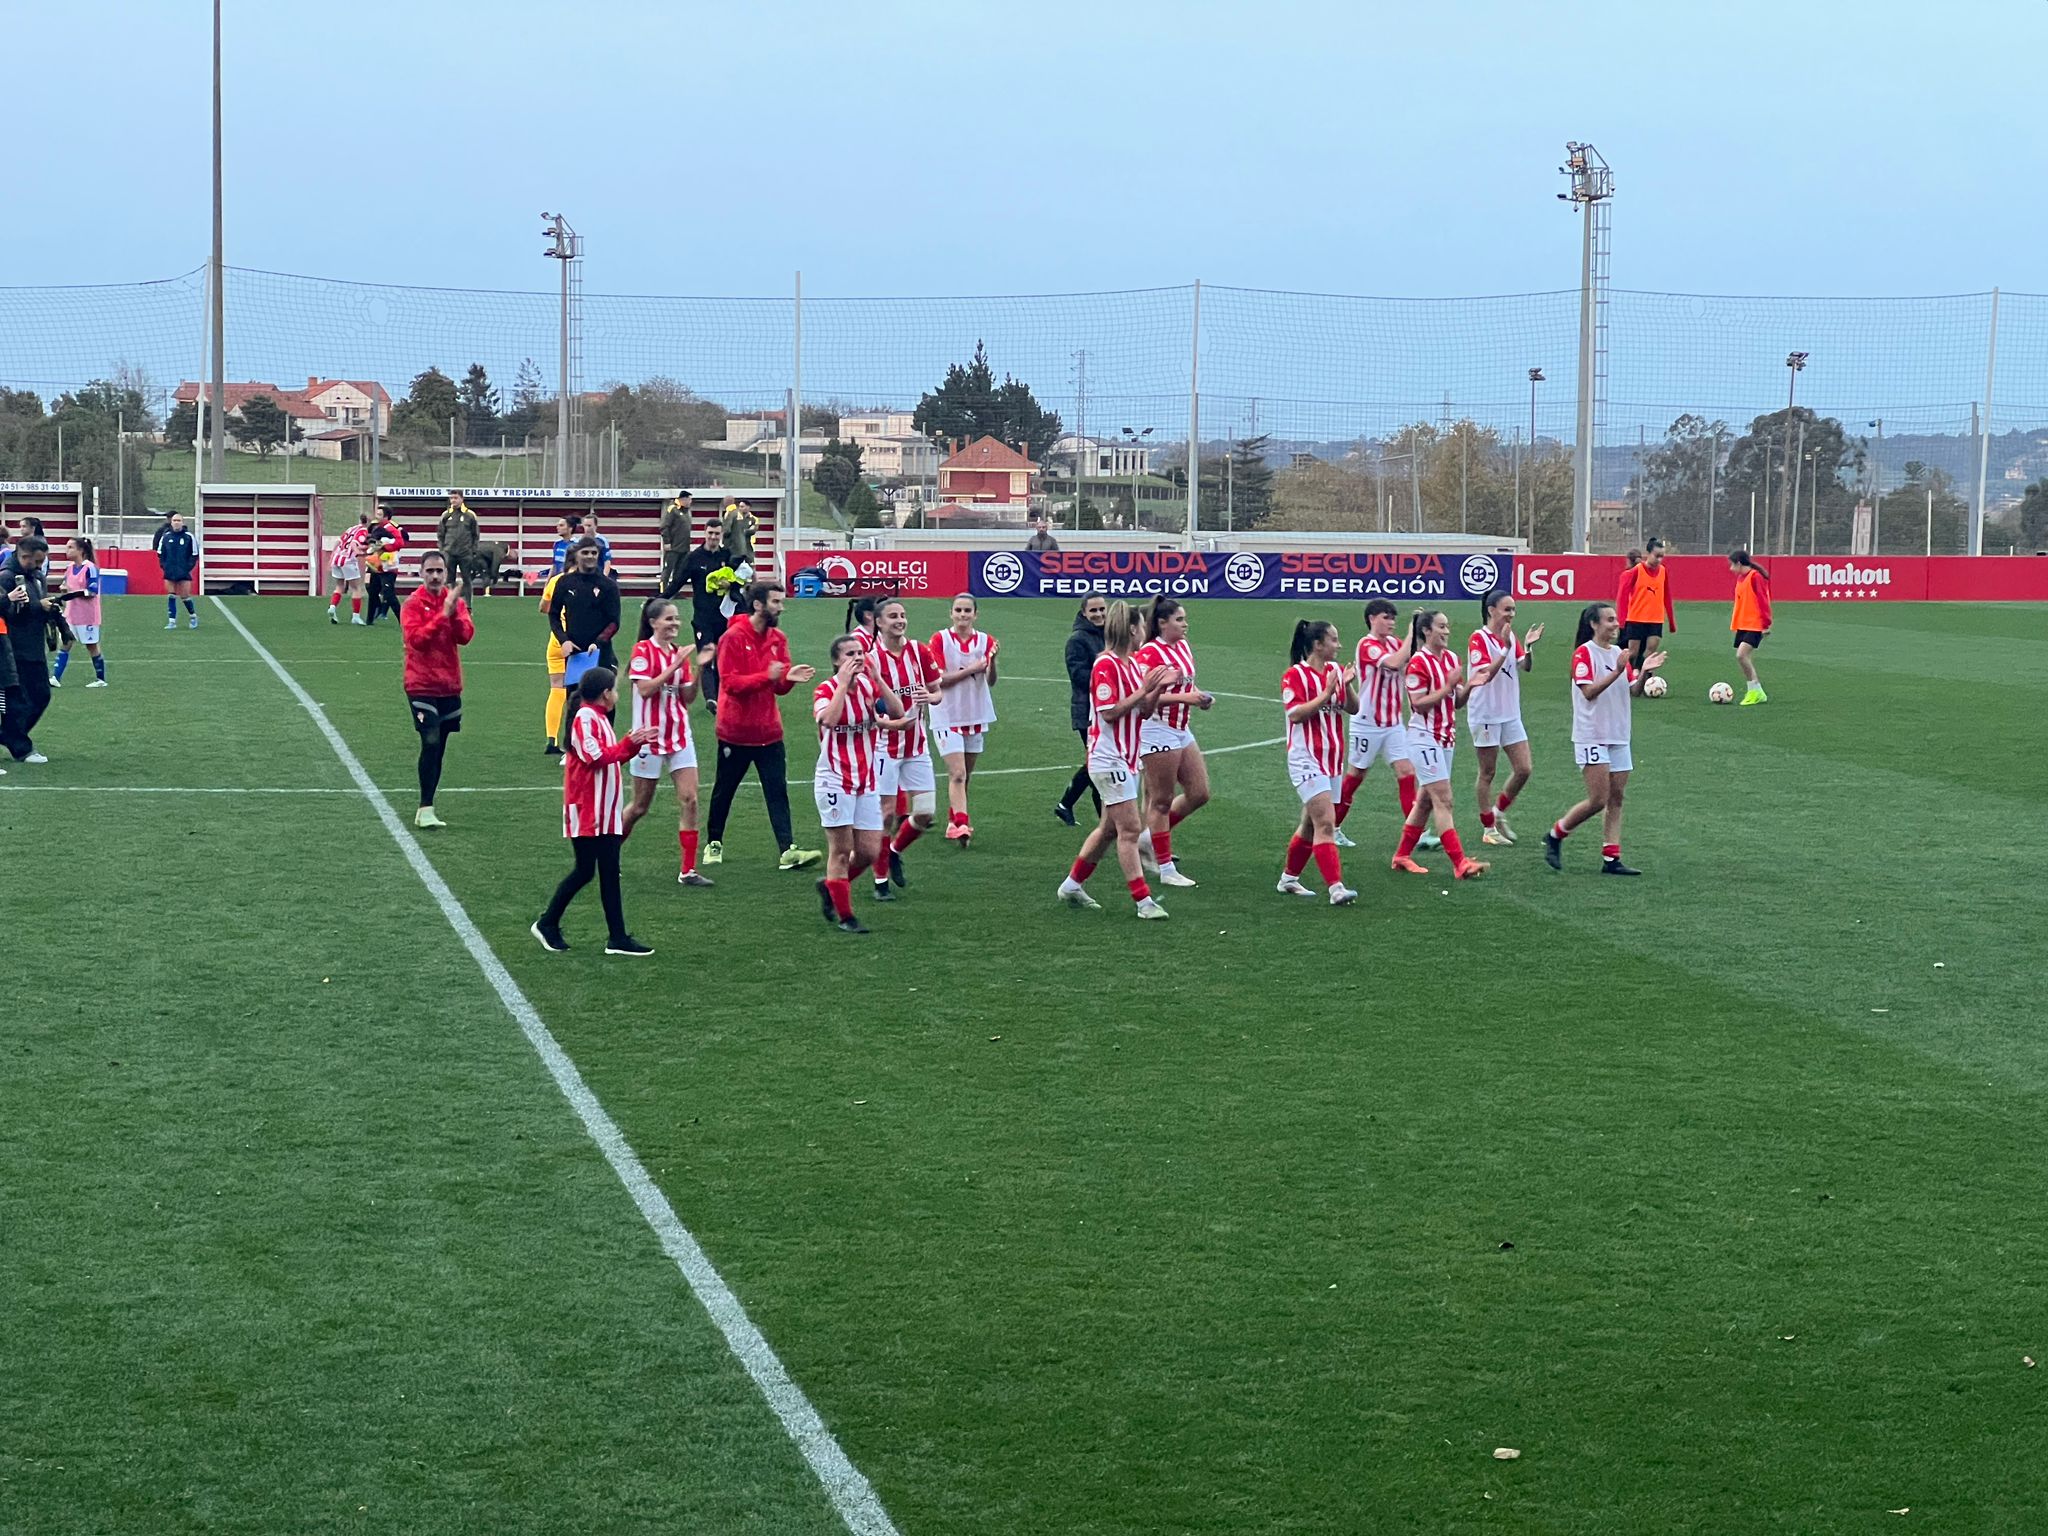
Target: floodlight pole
[[1984, 436], [567, 247], [1194, 418], [1592, 188]]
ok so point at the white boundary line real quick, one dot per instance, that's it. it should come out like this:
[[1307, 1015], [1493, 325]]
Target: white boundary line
[[852, 1498]]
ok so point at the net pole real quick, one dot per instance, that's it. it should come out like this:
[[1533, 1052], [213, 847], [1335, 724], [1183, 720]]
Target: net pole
[[1984, 435], [1195, 417], [218, 437], [199, 398], [792, 443]]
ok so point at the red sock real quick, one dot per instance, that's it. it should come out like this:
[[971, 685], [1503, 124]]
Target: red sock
[[334, 601], [1327, 864], [841, 892], [956, 818], [1082, 869], [1410, 836], [1344, 793], [1504, 802], [1559, 831], [902, 804], [1162, 846], [1174, 818], [355, 605], [906, 834], [1486, 818], [1610, 850], [861, 865], [1453, 846], [1297, 857], [688, 838], [1407, 789], [1140, 891]]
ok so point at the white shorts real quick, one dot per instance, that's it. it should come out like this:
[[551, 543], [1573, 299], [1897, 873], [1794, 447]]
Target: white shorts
[[1114, 779], [88, 634], [1613, 753], [1377, 744], [837, 808], [1432, 759], [1308, 778], [650, 764], [1156, 736], [910, 774], [953, 739], [351, 571], [1506, 733]]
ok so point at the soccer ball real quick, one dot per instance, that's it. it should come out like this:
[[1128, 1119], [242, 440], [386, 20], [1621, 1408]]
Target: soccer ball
[[1655, 688], [1721, 693]]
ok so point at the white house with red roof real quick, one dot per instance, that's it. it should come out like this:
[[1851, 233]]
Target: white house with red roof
[[329, 414]]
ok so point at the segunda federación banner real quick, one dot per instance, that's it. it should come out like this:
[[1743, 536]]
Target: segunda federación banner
[[1300, 575]]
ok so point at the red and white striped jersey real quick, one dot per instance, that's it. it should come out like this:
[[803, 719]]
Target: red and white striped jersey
[[1114, 679], [1602, 721], [1321, 735], [846, 751], [1428, 671], [868, 640], [1181, 657], [665, 711], [1499, 701], [970, 701], [1379, 688], [353, 544], [591, 776], [901, 671]]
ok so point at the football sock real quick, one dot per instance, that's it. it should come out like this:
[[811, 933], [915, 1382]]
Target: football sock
[[355, 605], [688, 838], [1327, 864], [63, 661], [1453, 845], [1486, 818], [841, 892], [1506, 799], [171, 606], [906, 834], [902, 804], [189, 608], [1140, 891], [1174, 817], [1407, 790], [1162, 845], [1345, 791], [1610, 850], [1558, 831], [1082, 869], [956, 818], [558, 701], [334, 601], [1297, 856], [1410, 836], [99, 668]]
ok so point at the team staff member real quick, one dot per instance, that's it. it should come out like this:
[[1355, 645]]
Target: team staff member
[[177, 555], [435, 623], [1751, 619], [583, 615], [675, 543], [24, 599], [707, 620], [385, 541], [755, 671], [1644, 603], [1084, 644], [458, 535]]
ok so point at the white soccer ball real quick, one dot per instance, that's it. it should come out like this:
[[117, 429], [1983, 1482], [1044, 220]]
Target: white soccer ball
[[1656, 687], [1721, 693]]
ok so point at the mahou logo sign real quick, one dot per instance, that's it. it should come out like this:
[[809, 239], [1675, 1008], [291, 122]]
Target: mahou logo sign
[[1847, 579]]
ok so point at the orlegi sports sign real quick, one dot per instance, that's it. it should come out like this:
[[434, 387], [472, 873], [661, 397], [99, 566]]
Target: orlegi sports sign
[[1306, 574]]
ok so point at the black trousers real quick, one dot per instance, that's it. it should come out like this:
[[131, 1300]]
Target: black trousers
[[1081, 781], [772, 763], [597, 856], [672, 572], [707, 683], [22, 705], [383, 586]]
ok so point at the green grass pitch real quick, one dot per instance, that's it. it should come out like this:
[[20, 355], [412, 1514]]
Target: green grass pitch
[[1066, 1223]]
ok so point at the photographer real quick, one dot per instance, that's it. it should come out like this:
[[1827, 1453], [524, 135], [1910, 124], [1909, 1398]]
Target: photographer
[[26, 605]]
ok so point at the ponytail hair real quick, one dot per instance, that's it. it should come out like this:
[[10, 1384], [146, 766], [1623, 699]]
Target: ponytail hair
[[859, 612], [651, 610], [1740, 557], [1488, 603], [1307, 632], [1419, 627], [1588, 617], [84, 545], [1163, 608], [1119, 628]]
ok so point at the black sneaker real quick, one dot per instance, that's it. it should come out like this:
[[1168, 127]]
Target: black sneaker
[[852, 925], [1064, 812], [1553, 850], [550, 938], [825, 904], [551, 750], [627, 946], [1616, 867], [896, 869], [882, 891]]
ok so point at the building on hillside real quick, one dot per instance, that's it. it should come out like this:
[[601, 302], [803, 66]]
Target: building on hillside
[[990, 475], [877, 424], [757, 442], [307, 417], [349, 402], [891, 448], [1109, 458], [1611, 526]]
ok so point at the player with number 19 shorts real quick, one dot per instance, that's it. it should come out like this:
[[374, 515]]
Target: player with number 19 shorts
[[1493, 709], [1378, 731], [1435, 689], [1176, 779], [903, 778], [1120, 696], [1315, 695]]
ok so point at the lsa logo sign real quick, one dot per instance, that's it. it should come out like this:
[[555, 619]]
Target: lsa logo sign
[[1533, 579]]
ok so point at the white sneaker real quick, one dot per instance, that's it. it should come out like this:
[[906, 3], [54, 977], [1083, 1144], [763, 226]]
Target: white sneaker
[[1341, 840], [1076, 896], [356, 618], [1290, 886], [1491, 836], [1150, 909], [35, 757], [56, 682], [333, 614], [1168, 875], [1342, 896], [1429, 842], [98, 682], [1500, 825], [193, 623], [170, 623]]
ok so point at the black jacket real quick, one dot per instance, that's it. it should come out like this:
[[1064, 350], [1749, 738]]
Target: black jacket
[[26, 621], [585, 609], [705, 617], [176, 551], [1083, 646]]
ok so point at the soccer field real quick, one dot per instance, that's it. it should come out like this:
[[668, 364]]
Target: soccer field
[[1716, 1194]]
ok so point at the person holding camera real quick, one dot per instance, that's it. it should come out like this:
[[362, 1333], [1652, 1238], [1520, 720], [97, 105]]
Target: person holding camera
[[436, 624]]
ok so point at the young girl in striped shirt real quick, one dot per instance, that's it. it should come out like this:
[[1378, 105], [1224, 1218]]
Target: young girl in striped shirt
[[592, 818]]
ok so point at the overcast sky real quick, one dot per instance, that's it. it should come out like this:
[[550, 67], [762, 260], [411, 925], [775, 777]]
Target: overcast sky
[[902, 147]]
